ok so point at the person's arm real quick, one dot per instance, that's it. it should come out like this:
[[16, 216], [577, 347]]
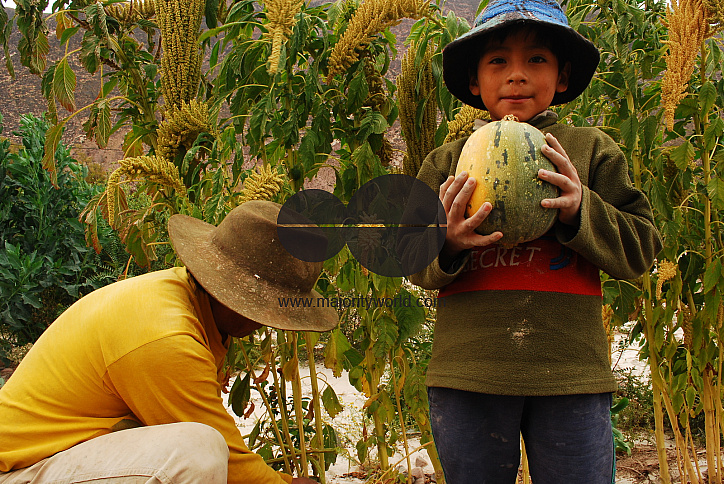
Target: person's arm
[[173, 379], [613, 227], [460, 235]]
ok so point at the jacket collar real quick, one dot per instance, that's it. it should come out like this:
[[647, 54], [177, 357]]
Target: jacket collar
[[540, 121]]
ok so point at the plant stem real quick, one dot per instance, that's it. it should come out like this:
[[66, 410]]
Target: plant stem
[[373, 372], [298, 410], [282, 392], [318, 441], [401, 417], [261, 391], [713, 438], [711, 427], [649, 330]]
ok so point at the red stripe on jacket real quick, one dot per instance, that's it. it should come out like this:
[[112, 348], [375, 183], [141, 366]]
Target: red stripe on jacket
[[540, 265]]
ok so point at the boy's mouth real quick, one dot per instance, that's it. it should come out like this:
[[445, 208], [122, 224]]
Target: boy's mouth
[[516, 99]]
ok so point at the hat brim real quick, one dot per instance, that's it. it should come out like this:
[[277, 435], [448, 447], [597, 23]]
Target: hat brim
[[241, 291], [462, 54]]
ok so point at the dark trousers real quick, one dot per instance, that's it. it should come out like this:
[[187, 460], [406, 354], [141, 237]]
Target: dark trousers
[[568, 438]]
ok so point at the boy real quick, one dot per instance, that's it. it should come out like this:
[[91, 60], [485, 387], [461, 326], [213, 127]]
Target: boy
[[519, 346], [125, 386]]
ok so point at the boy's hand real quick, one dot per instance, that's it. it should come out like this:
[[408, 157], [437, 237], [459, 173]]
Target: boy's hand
[[569, 200], [455, 194]]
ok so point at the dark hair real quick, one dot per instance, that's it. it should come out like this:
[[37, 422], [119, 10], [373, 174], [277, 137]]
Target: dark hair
[[546, 36]]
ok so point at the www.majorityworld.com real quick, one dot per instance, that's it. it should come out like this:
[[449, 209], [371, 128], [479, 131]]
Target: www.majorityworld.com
[[406, 300]]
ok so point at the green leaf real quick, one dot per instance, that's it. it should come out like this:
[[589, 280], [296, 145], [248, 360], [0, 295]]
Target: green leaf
[[650, 126], [373, 123], [64, 85], [361, 447], [335, 350], [89, 53], [147, 24], [619, 405], [712, 275], [52, 139], [364, 159], [683, 154], [384, 335], [331, 402], [240, 394], [629, 131], [345, 278], [46, 83], [67, 34], [660, 199], [715, 189], [96, 16], [690, 397], [707, 97], [358, 91], [212, 7], [712, 133], [409, 316], [103, 126], [621, 295], [108, 87]]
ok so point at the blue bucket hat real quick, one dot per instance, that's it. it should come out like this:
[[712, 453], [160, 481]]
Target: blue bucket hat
[[460, 57]]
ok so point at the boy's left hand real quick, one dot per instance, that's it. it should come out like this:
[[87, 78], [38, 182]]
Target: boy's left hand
[[569, 201]]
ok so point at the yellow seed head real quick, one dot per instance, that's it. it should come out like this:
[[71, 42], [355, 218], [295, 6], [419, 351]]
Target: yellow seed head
[[464, 122], [262, 185], [180, 23], [688, 24], [686, 318], [281, 16], [667, 271], [151, 169], [416, 84], [181, 126], [371, 18]]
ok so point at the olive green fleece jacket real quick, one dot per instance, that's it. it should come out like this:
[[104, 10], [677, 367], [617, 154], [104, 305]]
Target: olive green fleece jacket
[[527, 320]]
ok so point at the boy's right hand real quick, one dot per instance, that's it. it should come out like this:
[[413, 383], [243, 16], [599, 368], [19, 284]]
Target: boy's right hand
[[455, 194]]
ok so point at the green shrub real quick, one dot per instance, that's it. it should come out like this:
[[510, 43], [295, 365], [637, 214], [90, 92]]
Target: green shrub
[[45, 264]]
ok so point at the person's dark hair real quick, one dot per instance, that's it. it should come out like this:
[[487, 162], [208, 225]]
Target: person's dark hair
[[544, 35]]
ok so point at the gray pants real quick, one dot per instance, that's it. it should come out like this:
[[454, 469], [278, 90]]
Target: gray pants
[[568, 438], [176, 453]]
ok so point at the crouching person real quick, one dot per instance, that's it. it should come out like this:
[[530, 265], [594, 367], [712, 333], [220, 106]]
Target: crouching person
[[125, 386]]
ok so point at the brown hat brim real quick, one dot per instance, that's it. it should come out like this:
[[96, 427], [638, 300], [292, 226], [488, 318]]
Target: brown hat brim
[[241, 290]]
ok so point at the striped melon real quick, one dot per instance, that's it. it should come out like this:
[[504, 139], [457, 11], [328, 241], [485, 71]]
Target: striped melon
[[504, 157]]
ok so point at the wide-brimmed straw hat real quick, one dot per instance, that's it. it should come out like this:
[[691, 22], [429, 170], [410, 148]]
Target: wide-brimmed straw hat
[[243, 265], [460, 57]]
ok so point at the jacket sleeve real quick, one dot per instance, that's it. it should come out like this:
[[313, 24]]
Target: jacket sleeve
[[616, 230], [438, 165], [173, 379]]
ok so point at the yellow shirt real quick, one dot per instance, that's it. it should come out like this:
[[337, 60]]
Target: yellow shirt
[[145, 349]]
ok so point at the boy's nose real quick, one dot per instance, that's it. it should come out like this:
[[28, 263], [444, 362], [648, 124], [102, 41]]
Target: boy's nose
[[516, 76], [516, 73]]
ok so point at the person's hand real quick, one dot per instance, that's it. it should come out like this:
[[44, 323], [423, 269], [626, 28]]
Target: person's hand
[[303, 480], [460, 235], [569, 201]]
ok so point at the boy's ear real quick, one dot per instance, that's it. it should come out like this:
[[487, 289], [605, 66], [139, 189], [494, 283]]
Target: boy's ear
[[474, 88], [563, 76]]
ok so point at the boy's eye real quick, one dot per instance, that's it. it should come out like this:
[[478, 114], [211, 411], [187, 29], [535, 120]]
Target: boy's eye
[[497, 60], [538, 59]]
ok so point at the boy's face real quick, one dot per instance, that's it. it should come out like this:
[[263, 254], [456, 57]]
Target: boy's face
[[518, 76]]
